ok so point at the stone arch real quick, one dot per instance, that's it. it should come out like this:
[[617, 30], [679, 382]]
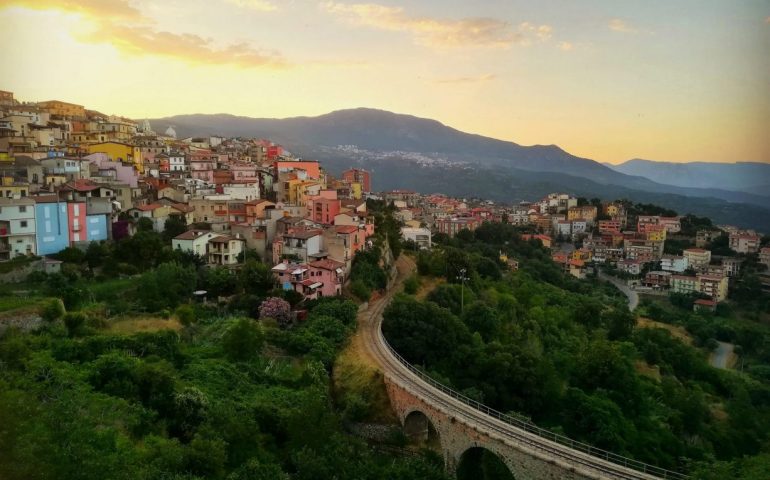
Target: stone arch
[[420, 429], [481, 463]]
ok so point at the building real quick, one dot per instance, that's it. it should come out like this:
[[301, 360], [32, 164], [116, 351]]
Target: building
[[744, 242], [704, 237], [224, 250], [420, 236], [608, 226], [657, 279], [764, 256], [17, 228], [330, 273], [630, 266], [704, 305], [697, 258], [63, 109], [715, 286], [193, 241], [684, 284], [586, 212], [356, 175], [450, 226], [300, 243], [52, 230], [731, 266], [673, 263]]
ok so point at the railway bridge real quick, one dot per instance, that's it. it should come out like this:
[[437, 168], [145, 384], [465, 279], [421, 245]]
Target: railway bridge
[[457, 425]]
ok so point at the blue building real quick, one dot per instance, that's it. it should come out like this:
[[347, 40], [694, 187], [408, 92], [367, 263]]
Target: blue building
[[52, 225], [96, 227]]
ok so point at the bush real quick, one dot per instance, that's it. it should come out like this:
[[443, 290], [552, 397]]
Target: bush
[[360, 290], [185, 314], [243, 340], [276, 308], [75, 323], [53, 310], [411, 285]]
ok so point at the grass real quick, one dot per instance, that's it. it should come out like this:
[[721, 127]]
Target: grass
[[16, 263], [12, 303], [138, 324], [675, 330], [354, 373]]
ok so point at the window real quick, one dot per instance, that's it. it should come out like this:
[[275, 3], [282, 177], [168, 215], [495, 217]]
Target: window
[[22, 208], [23, 224]]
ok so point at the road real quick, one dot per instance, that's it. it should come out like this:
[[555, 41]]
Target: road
[[633, 297], [723, 356], [527, 437]]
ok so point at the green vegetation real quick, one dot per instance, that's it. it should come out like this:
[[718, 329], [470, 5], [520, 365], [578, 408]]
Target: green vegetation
[[566, 354], [226, 398]]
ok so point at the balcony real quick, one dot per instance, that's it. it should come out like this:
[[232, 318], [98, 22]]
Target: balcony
[[76, 228]]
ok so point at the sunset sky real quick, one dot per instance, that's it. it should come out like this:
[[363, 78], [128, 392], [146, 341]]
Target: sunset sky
[[683, 80]]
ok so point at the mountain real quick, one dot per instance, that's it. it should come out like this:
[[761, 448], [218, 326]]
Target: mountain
[[749, 177], [379, 140]]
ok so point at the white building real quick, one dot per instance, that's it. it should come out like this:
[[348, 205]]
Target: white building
[[17, 228], [420, 236], [193, 241], [242, 191], [225, 250], [579, 226], [673, 263]]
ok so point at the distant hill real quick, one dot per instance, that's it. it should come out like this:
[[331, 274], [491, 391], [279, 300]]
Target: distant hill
[[750, 177], [368, 137]]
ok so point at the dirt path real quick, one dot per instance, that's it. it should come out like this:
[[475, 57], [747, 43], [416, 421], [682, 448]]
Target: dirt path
[[406, 268], [723, 356]]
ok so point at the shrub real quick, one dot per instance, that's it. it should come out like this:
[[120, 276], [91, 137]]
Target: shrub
[[276, 308], [411, 285], [360, 290], [53, 310], [75, 323], [185, 314], [243, 340]]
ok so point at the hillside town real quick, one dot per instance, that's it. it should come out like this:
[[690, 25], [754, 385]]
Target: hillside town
[[72, 176]]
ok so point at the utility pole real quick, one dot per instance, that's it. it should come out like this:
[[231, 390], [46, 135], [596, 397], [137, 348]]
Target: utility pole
[[462, 279]]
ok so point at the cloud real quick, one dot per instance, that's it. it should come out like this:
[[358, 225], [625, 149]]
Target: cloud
[[618, 25], [118, 23], [258, 5], [465, 80], [767, 20], [436, 32], [565, 46]]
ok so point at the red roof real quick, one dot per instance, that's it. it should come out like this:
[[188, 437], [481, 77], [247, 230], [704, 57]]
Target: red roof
[[149, 208], [345, 229], [80, 185], [703, 301], [327, 264]]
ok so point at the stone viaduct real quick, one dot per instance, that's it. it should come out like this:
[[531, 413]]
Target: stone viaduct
[[454, 425]]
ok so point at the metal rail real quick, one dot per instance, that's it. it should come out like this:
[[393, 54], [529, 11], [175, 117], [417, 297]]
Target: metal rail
[[603, 456]]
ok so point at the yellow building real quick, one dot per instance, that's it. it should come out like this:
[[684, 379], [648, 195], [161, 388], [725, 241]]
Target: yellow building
[[56, 107], [355, 190], [586, 212], [6, 157], [13, 189], [656, 235], [118, 151]]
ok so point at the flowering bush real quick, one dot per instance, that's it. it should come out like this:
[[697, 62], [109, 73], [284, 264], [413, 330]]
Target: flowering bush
[[276, 308]]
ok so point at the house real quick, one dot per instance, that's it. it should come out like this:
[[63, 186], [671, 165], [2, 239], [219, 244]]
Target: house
[[585, 212], [17, 228], [715, 286], [323, 210], [156, 212], [704, 305], [193, 241], [52, 230], [744, 242], [673, 263], [330, 273], [697, 258], [295, 276], [630, 266], [684, 284], [544, 240], [731, 266], [764, 257], [224, 250], [359, 176], [704, 237], [420, 236], [657, 279], [300, 242]]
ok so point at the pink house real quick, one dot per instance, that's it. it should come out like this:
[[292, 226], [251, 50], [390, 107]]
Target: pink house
[[331, 274], [323, 210], [77, 222]]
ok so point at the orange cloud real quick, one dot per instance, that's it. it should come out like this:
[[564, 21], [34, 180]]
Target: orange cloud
[[258, 5], [465, 80], [433, 32], [619, 25], [119, 24]]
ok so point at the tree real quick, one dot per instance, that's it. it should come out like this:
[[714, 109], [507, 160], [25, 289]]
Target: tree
[[166, 287], [256, 278], [219, 281], [75, 323], [243, 340], [174, 225], [277, 309], [144, 224]]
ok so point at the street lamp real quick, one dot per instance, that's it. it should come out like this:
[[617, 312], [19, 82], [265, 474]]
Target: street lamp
[[462, 279]]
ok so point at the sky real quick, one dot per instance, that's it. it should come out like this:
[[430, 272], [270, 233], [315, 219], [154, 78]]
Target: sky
[[683, 80]]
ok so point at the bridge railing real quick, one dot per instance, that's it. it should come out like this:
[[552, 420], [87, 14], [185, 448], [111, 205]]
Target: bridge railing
[[534, 429]]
